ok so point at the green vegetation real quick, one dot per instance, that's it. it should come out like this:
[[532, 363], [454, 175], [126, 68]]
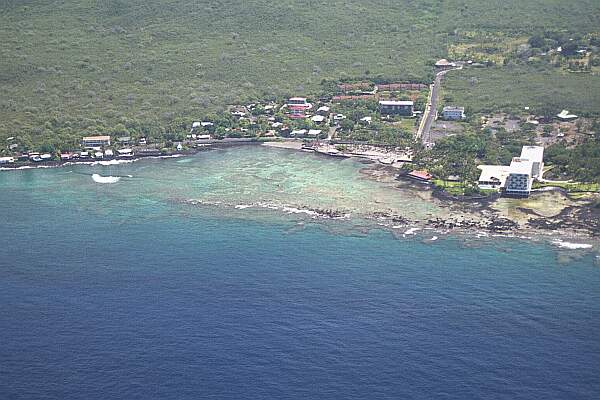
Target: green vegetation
[[545, 89], [574, 187], [581, 162], [149, 68]]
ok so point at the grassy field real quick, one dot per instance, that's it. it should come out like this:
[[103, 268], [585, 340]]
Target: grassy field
[[545, 90], [69, 68]]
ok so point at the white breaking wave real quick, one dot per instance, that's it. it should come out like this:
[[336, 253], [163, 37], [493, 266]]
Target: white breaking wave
[[571, 246], [412, 231], [105, 179]]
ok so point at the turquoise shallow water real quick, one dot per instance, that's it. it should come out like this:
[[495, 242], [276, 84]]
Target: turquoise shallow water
[[128, 291]]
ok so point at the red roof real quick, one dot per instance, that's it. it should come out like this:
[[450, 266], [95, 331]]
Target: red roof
[[422, 175], [390, 87], [360, 97]]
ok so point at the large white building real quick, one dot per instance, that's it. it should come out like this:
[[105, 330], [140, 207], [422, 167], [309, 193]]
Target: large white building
[[517, 178]]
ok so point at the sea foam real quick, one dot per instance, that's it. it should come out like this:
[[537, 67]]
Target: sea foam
[[105, 179]]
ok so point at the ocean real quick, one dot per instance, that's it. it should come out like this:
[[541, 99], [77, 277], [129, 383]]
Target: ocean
[[203, 277]]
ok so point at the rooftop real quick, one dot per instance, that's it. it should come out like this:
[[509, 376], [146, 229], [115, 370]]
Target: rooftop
[[90, 138], [454, 108], [396, 103], [532, 153], [521, 166]]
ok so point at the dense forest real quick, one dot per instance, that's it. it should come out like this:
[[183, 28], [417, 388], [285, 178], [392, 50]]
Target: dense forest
[[69, 68]]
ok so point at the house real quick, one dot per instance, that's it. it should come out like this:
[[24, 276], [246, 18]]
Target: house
[[206, 124], [452, 113], [391, 107], [314, 132], [108, 153], [422, 176], [366, 120], [125, 153], [317, 119], [66, 156], [98, 154], [277, 125], [7, 160], [13, 146], [566, 116], [90, 142], [297, 111], [535, 154], [323, 110], [84, 154], [124, 140]]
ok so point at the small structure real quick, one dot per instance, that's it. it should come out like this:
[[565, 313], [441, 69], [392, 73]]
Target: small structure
[[124, 140], [125, 153], [394, 107], [108, 153], [323, 110], [91, 142], [422, 176], [66, 156], [444, 64], [317, 119], [7, 160], [566, 116], [452, 113], [366, 120], [98, 154], [314, 133]]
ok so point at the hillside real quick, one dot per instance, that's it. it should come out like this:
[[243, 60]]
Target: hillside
[[103, 66]]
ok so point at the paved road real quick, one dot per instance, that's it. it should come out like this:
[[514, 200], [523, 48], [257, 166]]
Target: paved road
[[431, 108]]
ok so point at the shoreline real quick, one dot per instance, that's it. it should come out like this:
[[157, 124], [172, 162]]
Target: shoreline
[[477, 214]]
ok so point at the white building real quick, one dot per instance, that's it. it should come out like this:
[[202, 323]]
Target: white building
[[566, 116], [519, 180], [452, 113], [91, 142], [493, 177], [535, 154], [318, 119]]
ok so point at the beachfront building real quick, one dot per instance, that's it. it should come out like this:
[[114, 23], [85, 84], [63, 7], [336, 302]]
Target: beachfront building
[[91, 142], [452, 113], [7, 160], [519, 180], [493, 177], [394, 107], [422, 176], [516, 179]]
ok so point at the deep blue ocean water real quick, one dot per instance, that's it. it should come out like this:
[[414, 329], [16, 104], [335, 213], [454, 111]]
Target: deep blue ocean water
[[149, 302]]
